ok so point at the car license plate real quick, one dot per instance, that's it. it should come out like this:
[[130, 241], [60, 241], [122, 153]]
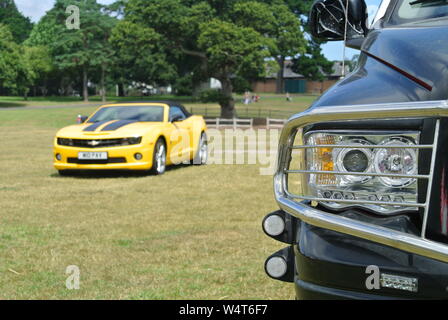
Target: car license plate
[[92, 156]]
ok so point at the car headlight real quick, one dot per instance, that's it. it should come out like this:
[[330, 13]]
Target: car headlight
[[396, 161], [65, 142], [362, 167], [132, 141]]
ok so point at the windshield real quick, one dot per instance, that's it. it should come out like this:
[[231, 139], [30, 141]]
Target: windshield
[[415, 10], [134, 113]]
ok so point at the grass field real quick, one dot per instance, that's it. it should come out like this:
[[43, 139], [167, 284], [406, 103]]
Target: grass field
[[273, 106], [194, 233]]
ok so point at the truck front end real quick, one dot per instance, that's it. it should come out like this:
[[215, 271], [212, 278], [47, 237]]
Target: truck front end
[[362, 175]]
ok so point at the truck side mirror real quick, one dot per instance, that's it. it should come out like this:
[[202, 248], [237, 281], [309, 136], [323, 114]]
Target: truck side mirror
[[328, 19]]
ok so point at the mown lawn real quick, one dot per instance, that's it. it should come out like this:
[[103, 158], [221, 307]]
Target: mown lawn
[[269, 105], [194, 233]]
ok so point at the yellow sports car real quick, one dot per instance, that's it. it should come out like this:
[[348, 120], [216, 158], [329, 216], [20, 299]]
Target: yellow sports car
[[132, 136]]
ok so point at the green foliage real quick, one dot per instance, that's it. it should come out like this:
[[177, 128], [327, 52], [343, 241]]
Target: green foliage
[[38, 62], [276, 23], [15, 72], [212, 96], [140, 53], [229, 48], [313, 65], [20, 26], [183, 86], [225, 39], [80, 50]]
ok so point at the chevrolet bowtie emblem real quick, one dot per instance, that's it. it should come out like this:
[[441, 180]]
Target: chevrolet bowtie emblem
[[93, 143]]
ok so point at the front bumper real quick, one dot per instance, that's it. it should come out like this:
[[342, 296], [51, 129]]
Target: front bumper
[[125, 156], [330, 265], [330, 253]]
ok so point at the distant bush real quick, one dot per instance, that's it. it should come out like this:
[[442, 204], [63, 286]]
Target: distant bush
[[212, 95], [184, 86]]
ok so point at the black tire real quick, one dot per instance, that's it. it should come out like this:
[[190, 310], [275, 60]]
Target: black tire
[[159, 158], [201, 156]]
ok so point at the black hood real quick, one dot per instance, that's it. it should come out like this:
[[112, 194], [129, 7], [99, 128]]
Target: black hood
[[396, 65]]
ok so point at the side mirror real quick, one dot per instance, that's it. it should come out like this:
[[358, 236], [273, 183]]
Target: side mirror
[[81, 119], [177, 119], [328, 19]]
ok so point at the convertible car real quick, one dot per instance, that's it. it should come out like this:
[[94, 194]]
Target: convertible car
[[132, 136]]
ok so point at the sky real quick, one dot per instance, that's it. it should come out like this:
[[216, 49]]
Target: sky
[[35, 9]]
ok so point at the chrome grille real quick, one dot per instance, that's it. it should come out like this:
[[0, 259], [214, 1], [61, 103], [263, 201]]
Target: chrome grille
[[300, 205]]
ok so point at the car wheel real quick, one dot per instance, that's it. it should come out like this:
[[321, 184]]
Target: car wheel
[[202, 153], [159, 158]]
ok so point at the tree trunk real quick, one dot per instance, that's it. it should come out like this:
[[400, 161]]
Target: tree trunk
[[121, 90], [280, 76], [103, 83], [228, 103], [85, 91]]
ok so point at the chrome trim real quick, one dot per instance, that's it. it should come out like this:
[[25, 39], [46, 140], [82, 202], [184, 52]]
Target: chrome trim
[[380, 203], [396, 239], [360, 174], [356, 146], [428, 192]]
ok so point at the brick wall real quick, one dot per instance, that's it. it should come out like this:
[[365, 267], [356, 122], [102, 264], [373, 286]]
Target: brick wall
[[270, 86], [319, 87], [265, 86]]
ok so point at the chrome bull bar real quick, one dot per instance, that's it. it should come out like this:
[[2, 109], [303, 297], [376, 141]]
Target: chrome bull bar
[[288, 202]]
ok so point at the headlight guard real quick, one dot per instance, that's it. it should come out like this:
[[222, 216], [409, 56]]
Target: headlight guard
[[349, 165]]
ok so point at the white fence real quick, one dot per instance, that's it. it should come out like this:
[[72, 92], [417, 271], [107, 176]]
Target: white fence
[[275, 123], [234, 123]]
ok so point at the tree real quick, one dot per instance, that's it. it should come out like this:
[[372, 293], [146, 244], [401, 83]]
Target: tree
[[38, 63], [140, 55], [77, 50], [313, 65], [219, 39], [280, 25], [14, 73], [19, 26]]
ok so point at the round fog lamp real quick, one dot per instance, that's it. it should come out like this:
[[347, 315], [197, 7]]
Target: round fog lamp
[[276, 267], [138, 156], [58, 157], [274, 225]]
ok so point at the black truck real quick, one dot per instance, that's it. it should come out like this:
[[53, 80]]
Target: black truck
[[362, 177]]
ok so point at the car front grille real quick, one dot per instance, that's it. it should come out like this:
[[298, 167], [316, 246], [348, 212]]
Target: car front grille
[[304, 207], [98, 143], [109, 161]]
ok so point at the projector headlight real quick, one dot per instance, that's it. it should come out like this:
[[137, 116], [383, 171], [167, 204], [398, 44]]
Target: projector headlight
[[358, 160], [358, 154]]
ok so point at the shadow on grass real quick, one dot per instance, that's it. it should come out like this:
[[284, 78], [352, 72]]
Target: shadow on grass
[[6, 105], [112, 174]]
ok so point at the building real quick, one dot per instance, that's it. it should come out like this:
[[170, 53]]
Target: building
[[297, 83]]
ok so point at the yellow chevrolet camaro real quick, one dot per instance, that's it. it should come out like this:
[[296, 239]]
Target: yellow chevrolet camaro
[[132, 136]]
